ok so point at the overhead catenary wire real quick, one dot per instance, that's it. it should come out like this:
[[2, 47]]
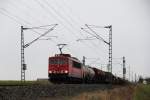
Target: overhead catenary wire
[[59, 14], [71, 18], [17, 7], [77, 25], [61, 17], [12, 18], [77, 31], [49, 12], [14, 6], [71, 11], [23, 20], [92, 35], [64, 3], [55, 17], [99, 37], [74, 21], [20, 20], [40, 36], [39, 33], [15, 16], [27, 22]]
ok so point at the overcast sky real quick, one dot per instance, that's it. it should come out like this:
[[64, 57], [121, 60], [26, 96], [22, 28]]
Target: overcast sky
[[130, 20]]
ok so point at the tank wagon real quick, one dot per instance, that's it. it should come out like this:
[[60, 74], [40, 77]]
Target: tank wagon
[[62, 68]]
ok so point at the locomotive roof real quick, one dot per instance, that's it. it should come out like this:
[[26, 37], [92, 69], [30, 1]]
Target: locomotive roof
[[62, 55], [66, 56]]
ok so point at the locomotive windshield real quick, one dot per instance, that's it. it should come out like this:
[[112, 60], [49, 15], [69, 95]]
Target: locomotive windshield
[[57, 61]]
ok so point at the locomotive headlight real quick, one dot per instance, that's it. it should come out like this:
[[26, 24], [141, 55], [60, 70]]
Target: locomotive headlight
[[66, 71], [50, 71]]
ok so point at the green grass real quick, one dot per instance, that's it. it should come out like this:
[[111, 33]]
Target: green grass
[[142, 92], [19, 83]]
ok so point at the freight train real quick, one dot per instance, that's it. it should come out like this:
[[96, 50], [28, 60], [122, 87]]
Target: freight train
[[62, 68]]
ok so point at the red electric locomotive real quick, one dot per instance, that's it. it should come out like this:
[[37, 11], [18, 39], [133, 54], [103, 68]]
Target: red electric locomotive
[[64, 68]]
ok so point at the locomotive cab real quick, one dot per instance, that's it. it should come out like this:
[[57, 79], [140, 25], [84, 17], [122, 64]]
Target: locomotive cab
[[58, 67], [64, 68]]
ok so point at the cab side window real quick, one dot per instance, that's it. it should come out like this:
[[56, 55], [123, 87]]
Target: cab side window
[[76, 64]]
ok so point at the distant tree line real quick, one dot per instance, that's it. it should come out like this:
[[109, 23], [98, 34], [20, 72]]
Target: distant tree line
[[147, 80], [141, 80]]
